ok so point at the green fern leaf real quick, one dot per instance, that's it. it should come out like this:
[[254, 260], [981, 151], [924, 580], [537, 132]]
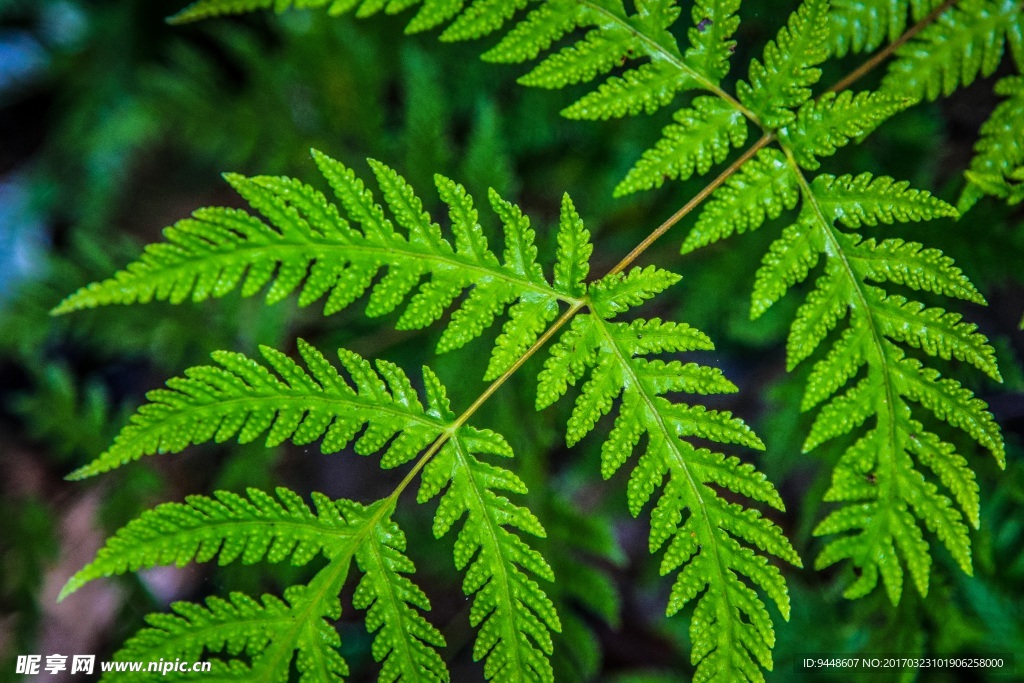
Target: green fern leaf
[[314, 250], [912, 265], [887, 503], [544, 25], [997, 168], [241, 397], [237, 626], [715, 21], [204, 9], [405, 641], [761, 189], [863, 25], [617, 293], [966, 41], [781, 81], [934, 331], [654, 84], [261, 638], [654, 70], [789, 260], [480, 16], [731, 630], [228, 527], [616, 37], [514, 615], [831, 121], [702, 136], [867, 200], [574, 249]]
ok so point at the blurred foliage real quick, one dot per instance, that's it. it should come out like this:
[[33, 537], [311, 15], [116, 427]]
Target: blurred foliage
[[115, 124]]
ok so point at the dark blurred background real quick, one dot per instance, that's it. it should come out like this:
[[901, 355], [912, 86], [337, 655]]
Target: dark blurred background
[[114, 124]]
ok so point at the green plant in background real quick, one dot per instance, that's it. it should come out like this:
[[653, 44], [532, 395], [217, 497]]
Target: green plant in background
[[892, 413]]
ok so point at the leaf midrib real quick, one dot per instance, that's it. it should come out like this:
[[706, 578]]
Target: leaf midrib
[[285, 251]]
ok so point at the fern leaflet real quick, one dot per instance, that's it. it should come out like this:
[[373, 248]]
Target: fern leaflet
[[406, 642], [315, 250], [887, 498], [966, 41], [708, 537], [997, 168], [865, 377], [228, 527], [513, 613], [863, 25], [781, 81], [262, 637]]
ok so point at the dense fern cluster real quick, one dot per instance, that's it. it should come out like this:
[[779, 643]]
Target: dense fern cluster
[[220, 249], [877, 358]]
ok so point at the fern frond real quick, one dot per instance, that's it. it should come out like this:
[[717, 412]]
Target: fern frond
[[432, 12], [270, 632], [968, 40], [613, 38], [514, 615], [312, 249], [227, 527], [761, 189], [406, 642], [204, 9], [260, 638], [702, 136], [781, 81], [710, 540], [887, 501], [654, 70], [831, 121], [239, 626], [863, 25], [997, 168], [244, 398]]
